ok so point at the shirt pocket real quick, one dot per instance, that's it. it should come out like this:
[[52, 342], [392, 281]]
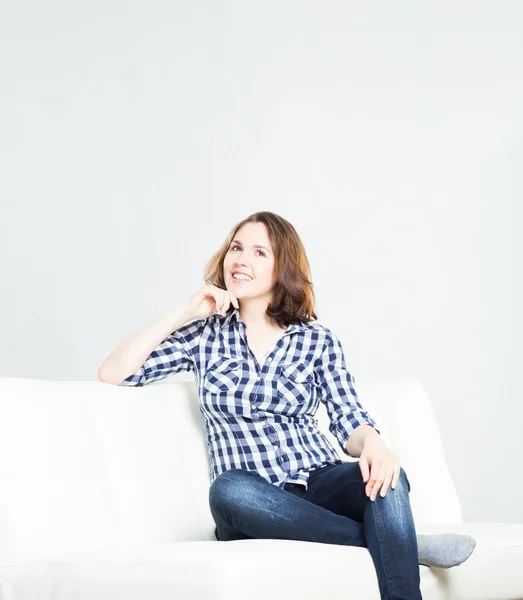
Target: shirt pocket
[[295, 383], [223, 375]]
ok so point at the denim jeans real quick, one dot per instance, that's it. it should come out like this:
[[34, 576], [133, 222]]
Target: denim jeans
[[333, 510]]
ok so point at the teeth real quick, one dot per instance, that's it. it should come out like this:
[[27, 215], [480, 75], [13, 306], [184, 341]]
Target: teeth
[[242, 277]]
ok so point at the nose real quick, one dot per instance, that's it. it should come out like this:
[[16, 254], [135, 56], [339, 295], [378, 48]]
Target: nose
[[238, 263]]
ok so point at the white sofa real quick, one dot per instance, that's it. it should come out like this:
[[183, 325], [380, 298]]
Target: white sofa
[[104, 495]]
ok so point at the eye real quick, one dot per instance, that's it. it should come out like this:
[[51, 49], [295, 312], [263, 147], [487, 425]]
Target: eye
[[236, 246]]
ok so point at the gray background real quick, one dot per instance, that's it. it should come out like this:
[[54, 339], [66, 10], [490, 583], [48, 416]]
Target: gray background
[[135, 135]]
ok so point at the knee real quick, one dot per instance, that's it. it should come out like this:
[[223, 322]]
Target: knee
[[227, 487], [403, 479]]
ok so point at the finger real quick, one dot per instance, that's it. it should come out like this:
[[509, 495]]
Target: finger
[[235, 300], [388, 479], [229, 301], [375, 471], [217, 300], [364, 467], [379, 480]]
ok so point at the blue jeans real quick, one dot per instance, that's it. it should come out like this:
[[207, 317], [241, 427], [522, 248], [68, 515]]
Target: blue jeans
[[333, 510]]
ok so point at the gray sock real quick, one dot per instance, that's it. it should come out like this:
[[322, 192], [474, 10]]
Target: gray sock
[[444, 550]]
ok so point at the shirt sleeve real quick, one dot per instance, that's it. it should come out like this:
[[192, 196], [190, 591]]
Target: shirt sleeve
[[336, 388], [178, 352]]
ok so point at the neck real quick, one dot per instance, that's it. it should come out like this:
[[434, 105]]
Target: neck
[[252, 313]]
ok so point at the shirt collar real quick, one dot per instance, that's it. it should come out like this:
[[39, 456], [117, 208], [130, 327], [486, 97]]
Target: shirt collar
[[234, 316]]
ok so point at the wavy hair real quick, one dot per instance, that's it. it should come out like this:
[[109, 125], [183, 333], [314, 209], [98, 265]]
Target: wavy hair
[[293, 293]]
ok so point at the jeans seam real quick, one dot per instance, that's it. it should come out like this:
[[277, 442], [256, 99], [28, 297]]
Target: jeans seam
[[378, 522]]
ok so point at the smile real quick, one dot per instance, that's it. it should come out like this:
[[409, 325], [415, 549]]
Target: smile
[[242, 280]]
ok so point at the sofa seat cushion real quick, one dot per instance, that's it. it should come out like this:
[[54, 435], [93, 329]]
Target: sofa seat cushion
[[240, 568], [253, 568], [493, 571]]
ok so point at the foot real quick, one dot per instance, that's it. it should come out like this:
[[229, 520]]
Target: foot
[[444, 550]]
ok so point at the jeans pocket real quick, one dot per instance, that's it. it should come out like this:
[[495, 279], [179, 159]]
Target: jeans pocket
[[295, 488]]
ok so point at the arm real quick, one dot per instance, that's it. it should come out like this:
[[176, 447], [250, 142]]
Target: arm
[[359, 437], [153, 352], [348, 418]]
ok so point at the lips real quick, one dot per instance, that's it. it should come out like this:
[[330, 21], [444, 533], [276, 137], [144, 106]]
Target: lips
[[240, 273]]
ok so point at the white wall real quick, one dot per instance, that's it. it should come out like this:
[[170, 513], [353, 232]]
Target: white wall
[[134, 135]]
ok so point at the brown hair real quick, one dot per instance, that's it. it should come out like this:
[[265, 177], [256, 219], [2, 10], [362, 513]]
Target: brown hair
[[293, 295]]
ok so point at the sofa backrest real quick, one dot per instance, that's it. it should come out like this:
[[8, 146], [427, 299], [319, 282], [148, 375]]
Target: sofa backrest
[[84, 465]]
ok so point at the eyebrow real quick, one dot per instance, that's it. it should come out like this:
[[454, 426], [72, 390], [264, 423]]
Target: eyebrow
[[254, 245]]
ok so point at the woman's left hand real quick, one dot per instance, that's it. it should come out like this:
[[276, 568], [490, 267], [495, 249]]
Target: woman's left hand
[[385, 467]]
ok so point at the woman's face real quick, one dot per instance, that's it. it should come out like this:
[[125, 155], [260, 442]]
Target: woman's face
[[258, 263]]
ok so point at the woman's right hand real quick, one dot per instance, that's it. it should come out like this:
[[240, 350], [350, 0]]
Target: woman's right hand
[[210, 299]]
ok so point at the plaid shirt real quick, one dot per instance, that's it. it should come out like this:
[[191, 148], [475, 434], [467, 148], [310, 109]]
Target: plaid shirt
[[261, 417]]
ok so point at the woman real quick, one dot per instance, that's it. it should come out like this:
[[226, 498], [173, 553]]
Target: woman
[[263, 363]]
